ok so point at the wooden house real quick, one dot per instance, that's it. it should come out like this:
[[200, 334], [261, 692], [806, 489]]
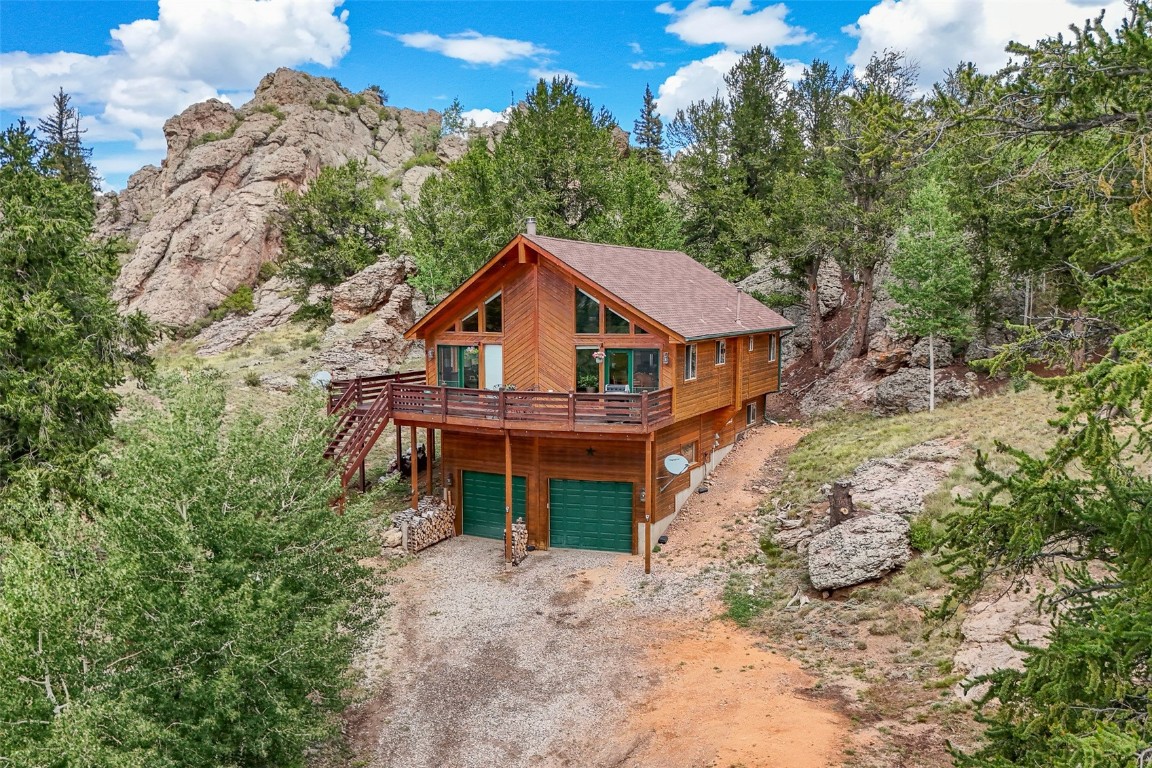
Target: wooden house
[[562, 374]]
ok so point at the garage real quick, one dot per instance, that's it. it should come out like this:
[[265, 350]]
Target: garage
[[483, 503], [587, 514]]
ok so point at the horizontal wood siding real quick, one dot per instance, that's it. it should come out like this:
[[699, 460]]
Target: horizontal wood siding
[[712, 387], [538, 460], [761, 375]]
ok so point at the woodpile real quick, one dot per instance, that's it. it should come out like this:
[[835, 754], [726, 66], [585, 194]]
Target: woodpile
[[519, 541], [432, 521]]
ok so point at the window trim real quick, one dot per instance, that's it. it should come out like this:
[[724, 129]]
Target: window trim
[[751, 343], [721, 352], [690, 357], [772, 347]]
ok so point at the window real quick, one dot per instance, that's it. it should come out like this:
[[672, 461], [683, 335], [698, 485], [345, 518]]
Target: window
[[771, 348], [690, 362], [614, 323], [751, 343], [587, 370], [471, 322], [750, 415], [494, 314], [645, 370], [587, 313], [688, 451], [638, 329], [721, 352], [458, 366]]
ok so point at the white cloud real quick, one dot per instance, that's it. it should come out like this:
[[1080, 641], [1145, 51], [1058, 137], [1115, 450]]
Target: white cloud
[[695, 81], [544, 72], [189, 53], [939, 34], [482, 116], [473, 47], [735, 26], [635, 48], [646, 65]]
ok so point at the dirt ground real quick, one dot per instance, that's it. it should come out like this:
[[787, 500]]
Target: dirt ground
[[578, 659]]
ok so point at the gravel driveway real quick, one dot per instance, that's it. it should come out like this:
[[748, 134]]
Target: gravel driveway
[[519, 668]]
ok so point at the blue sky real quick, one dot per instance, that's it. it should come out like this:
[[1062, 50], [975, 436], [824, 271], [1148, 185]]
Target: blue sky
[[131, 65]]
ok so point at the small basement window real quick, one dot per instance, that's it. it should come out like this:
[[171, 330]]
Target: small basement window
[[494, 314], [721, 352], [688, 451], [690, 362], [587, 313], [750, 415], [471, 323]]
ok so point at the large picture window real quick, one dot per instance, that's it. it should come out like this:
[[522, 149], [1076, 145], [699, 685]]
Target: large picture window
[[587, 313]]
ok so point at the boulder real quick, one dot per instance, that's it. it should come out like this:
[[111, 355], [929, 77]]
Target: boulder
[[906, 391], [279, 382], [858, 550], [368, 290], [274, 307], [918, 356], [392, 538]]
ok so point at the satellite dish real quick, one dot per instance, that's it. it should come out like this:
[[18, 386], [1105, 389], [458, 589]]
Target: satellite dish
[[321, 379], [676, 464]]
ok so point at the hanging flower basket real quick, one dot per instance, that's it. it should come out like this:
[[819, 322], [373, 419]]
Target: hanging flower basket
[[598, 356]]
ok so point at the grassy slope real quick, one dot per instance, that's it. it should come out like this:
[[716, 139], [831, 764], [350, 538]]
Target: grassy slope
[[871, 645]]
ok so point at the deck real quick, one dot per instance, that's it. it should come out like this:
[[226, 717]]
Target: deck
[[433, 406]]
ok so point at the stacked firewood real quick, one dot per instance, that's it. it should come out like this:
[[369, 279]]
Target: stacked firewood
[[433, 520], [519, 541]]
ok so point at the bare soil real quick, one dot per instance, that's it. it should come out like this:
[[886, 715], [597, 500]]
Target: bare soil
[[578, 658]]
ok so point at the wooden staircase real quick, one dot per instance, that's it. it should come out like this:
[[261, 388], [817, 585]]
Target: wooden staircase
[[364, 405]]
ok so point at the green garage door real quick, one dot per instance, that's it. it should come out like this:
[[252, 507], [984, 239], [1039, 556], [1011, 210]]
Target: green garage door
[[484, 503], [590, 515]]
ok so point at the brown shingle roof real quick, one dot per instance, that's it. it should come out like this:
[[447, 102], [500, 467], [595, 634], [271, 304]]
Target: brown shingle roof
[[671, 287]]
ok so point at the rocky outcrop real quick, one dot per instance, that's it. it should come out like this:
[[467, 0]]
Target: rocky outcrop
[[906, 391], [899, 483], [369, 289], [274, 307], [858, 550], [992, 631], [203, 222], [375, 343], [830, 290]]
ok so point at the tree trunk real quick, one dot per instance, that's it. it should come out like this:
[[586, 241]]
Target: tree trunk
[[863, 311], [840, 506], [931, 372], [1079, 353], [815, 321]]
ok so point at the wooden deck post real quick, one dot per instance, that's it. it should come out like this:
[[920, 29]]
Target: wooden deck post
[[430, 442], [649, 500], [363, 480], [507, 496], [399, 446], [415, 468]]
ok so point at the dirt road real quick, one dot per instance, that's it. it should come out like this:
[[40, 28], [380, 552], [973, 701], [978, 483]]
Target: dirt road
[[578, 659]]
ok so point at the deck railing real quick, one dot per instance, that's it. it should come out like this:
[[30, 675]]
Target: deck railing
[[364, 389], [571, 411]]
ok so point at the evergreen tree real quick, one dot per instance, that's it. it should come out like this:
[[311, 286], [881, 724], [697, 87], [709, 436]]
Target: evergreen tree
[[649, 133], [334, 229], [1074, 111], [932, 275], [558, 161], [62, 151], [879, 146], [733, 154], [63, 345]]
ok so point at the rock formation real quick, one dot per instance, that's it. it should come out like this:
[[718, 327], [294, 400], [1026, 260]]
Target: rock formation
[[202, 223], [858, 550]]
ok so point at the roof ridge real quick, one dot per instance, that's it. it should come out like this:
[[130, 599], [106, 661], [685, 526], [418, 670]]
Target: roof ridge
[[613, 245]]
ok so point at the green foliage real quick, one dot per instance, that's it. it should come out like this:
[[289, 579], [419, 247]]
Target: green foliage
[[268, 270], [61, 152], [649, 134], [1071, 117], [557, 161], [741, 596], [273, 110], [63, 345], [733, 154], [336, 228], [210, 136], [198, 607], [452, 121]]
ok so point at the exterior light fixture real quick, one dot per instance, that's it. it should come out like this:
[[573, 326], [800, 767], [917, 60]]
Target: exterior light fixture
[[643, 494], [431, 353], [665, 358]]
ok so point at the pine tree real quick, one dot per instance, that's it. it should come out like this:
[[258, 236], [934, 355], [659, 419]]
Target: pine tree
[[649, 133], [62, 152]]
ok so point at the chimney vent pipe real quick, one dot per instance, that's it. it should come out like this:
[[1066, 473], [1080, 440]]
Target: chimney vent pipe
[[530, 226]]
